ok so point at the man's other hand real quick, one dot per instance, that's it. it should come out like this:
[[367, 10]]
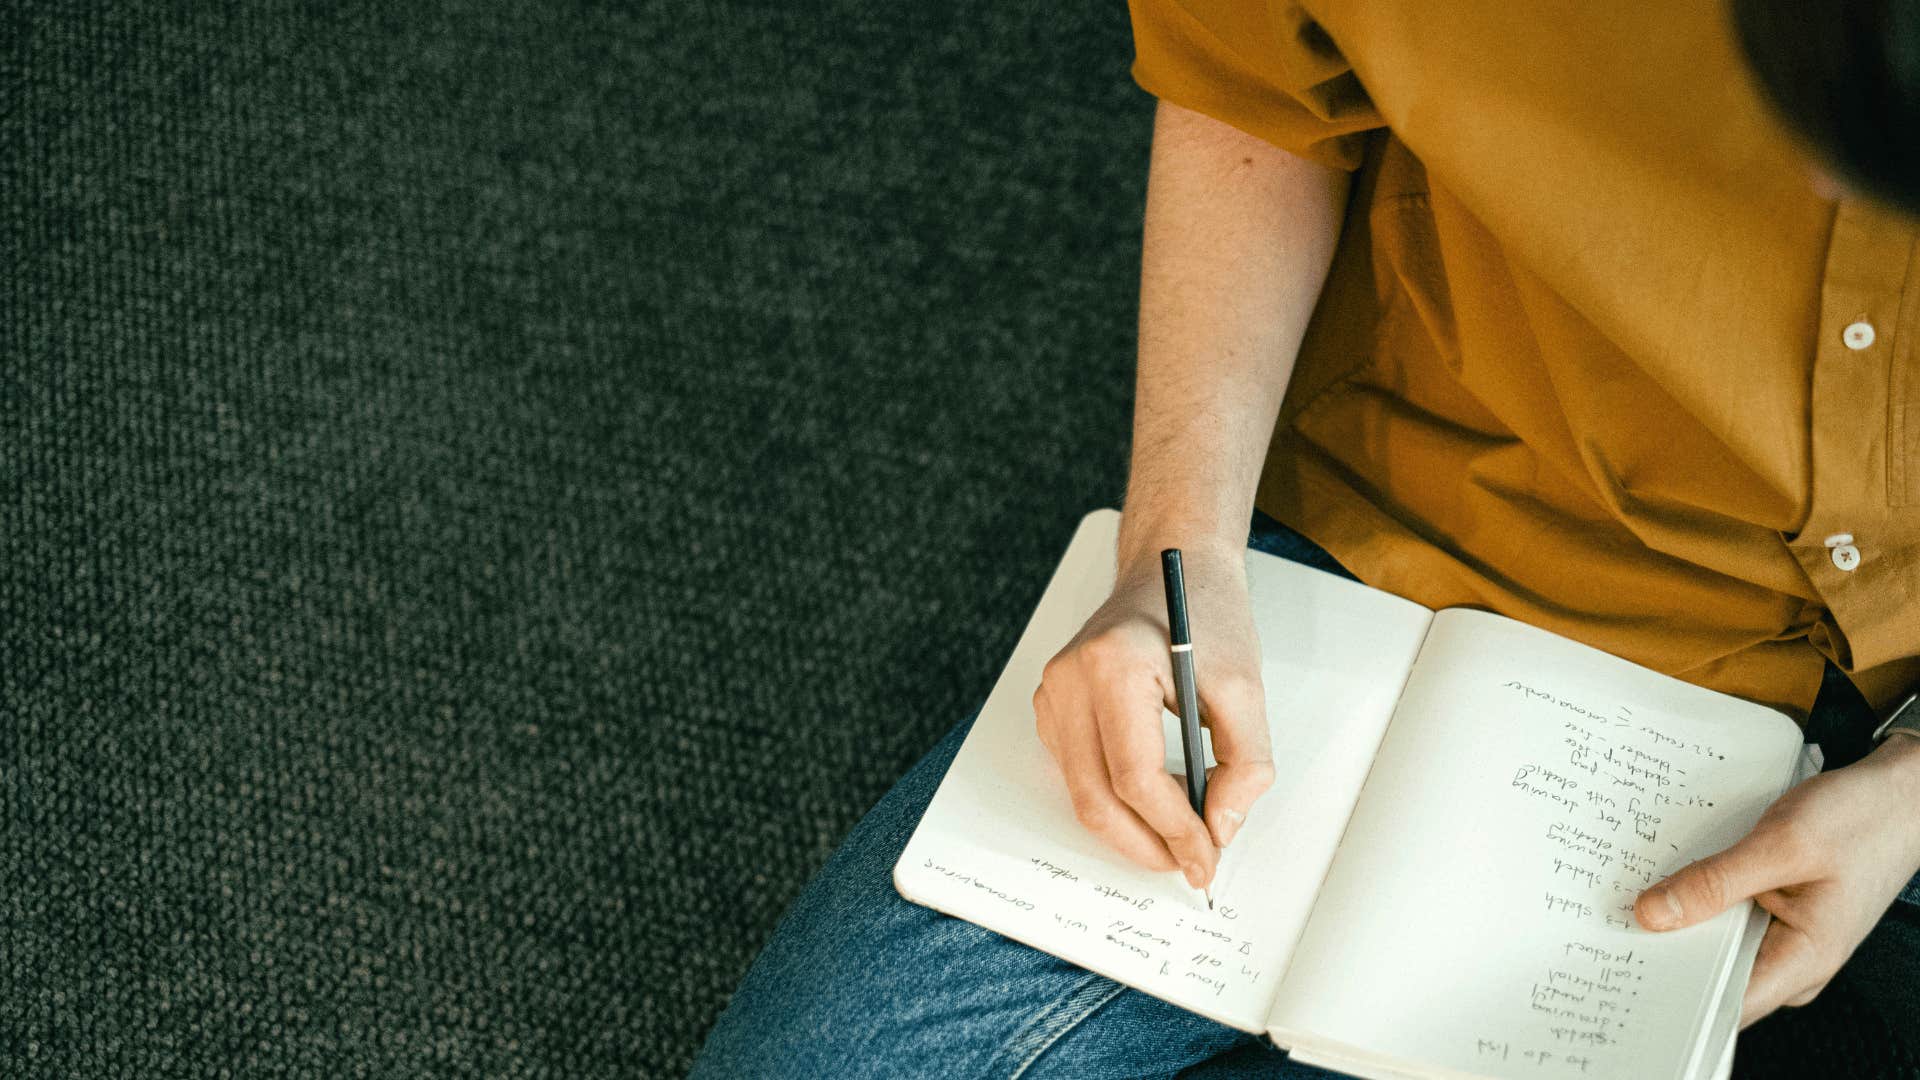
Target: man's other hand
[[1826, 859]]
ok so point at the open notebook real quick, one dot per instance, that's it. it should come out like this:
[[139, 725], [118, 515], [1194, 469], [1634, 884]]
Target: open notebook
[[1439, 882]]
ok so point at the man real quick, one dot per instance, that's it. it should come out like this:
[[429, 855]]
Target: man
[[1603, 318]]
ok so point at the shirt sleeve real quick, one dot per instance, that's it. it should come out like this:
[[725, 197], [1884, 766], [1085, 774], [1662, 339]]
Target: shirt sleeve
[[1263, 66]]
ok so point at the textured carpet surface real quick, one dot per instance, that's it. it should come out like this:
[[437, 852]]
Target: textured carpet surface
[[493, 491]]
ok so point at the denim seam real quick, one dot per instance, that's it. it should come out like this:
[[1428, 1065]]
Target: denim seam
[[1050, 1024]]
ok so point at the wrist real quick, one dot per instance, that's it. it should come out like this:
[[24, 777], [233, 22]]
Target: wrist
[[1899, 755], [1210, 532], [1140, 552], [1898, 761]]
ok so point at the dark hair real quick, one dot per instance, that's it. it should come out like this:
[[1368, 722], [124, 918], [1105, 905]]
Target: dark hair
[[1845, 75]]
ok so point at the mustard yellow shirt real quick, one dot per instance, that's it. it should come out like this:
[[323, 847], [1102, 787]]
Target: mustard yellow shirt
[[1595, 352]]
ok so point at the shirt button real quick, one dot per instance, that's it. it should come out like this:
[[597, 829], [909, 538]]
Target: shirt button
[[1858, 335], [1840, 547]]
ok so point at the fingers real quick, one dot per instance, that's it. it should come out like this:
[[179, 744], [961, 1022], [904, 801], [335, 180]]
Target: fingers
[[1128, 719], [1806, 997], [1237, 716], [1066, 729], [1789, 970], [1765, 859]]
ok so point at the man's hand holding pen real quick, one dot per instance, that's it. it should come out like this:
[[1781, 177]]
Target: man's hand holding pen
[[1099, 705]]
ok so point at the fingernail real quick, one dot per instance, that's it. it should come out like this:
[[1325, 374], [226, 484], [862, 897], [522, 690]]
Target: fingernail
[[1663, 909], [1194, 874], [1230, 820]]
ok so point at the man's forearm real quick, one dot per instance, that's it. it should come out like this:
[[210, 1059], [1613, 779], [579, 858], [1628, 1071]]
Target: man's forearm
[[1237, 241]]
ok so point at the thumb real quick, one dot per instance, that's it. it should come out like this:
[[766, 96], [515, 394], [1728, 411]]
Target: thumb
[[1237, 718], [1706, 887]]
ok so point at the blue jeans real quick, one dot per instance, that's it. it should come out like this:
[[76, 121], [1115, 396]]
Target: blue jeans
[[860, 983]]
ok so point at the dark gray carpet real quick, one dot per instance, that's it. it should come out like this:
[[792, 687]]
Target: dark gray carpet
[[493, 491]]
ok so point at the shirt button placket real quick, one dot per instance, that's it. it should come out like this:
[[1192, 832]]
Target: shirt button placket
[[1864, 279]]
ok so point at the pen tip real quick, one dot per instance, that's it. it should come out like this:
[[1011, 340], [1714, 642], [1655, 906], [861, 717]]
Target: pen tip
[[1209, 899]]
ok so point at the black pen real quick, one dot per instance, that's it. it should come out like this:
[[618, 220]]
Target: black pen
[[1185, 689]]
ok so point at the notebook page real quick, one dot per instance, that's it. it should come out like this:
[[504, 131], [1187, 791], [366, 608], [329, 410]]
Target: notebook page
[[1478, 921], [999, 844]]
